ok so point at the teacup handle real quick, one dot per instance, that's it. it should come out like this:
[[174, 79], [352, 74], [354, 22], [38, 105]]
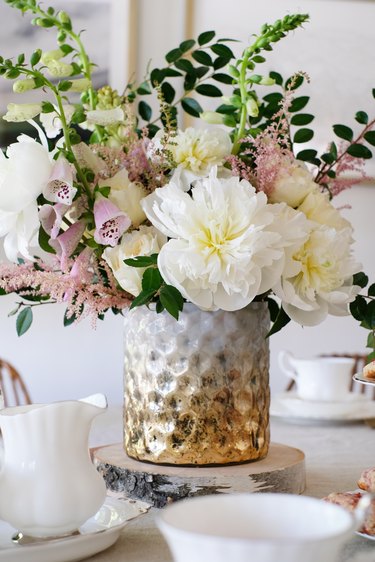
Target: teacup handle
[[361, 509], [285, 363]]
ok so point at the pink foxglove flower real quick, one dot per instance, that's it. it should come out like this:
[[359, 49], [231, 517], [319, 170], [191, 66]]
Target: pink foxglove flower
[[110, 222], [67, 242], [60, 188], [51, 217]]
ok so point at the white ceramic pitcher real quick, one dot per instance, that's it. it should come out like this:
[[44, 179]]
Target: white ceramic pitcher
[[319, 378], [48, 484]]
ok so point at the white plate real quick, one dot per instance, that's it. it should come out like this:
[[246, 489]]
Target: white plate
[[97, 534], [360, 378], [370, 537], [288, 405]]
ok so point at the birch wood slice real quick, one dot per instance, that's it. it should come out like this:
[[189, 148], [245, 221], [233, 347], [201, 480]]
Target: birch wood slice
[[283, 470]]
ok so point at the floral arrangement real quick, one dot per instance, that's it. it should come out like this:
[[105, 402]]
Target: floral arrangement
[[112, 205]]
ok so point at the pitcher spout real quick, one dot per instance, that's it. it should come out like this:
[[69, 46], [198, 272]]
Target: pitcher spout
[[99, 400]]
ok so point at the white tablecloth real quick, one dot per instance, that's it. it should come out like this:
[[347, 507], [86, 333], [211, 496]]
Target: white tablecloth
[[335, 457]]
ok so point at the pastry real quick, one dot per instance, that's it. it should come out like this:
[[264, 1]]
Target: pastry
[[349, 500], [367, 480], [369, 371]]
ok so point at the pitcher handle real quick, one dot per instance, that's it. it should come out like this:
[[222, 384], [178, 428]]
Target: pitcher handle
[[285, 364], [361, 509]]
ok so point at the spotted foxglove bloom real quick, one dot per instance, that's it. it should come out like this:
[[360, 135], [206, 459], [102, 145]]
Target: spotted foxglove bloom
[[126, 195], [24, 172], [110, 222], [317, 279], [59, 188], [225, 247], [51, 217], [105, 117], [142, 242], [66, 243], [18, 112]]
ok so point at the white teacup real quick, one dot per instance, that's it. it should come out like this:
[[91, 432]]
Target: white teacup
[[320, 378], [259, 527]]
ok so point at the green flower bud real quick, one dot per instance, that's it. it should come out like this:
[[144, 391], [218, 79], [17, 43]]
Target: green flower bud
[[267, 81], [21, 86], [80, 85], [18, 112], [233, 71], [108, 98], [252, 107], [63, 17], [50, 56], [212, 117], [59, 69]]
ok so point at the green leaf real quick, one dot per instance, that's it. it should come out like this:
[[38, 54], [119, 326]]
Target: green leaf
[[297, 81], [171, 73], [144, 89], [144, 297], [189, 82], [12, 73], [298, 103], [187, 45], [151, 280], [223, 78], [303, 135], [171, 299], [370, 357], [21, 59], [201, 71], [370, 137], [156, 76], [306, 155], [226, 109], [328, 158], [282, 320], [191, 106], [209, 90], [220, 62], [144, 110], [358, 308], [360, 279], [359, 151], [35, 57], [371, 340], [222, 51], [168, 92], [205, 37], [361, 117], [274, 98], [47, 107], [277, 77], [43, 240], [202, 57], [159, 307], [173, 55], [371, 290], [64, 86], [273, 308], [343, 132], [370, 315], [69, 320], [2, 291], [24, 320], [302, 119], [142, 261], [185, 65]]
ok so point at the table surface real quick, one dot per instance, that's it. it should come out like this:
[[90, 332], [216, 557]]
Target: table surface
[[336, 454]]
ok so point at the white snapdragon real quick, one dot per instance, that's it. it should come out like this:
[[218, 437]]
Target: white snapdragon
[[142, 242], [225, 247]]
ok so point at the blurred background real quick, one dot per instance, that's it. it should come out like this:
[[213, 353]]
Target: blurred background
[[335, 49]]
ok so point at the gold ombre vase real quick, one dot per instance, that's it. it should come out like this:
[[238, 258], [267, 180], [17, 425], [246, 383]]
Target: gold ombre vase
[[197, 389]]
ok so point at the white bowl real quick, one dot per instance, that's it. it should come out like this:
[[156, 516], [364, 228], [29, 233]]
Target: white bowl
[[255, 527]]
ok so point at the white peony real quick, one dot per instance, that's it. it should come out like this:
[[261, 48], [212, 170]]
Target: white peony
[[317, 207], [143, 242], [126, 195], [317, 279], [293, 183], [24, 172], [225, 247]]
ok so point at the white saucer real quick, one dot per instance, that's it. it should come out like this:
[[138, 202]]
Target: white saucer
[[289, 405], [97, 534], [360, 378], [370, 537]]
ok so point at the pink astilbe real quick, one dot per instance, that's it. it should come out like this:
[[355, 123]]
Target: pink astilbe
[[83, 297], [349, 171]]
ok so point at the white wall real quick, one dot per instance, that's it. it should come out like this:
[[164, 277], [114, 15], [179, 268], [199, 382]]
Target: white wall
[[336, 49]]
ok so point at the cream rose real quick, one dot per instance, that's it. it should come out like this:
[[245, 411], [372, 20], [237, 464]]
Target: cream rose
[[143, 242], [293, 183]]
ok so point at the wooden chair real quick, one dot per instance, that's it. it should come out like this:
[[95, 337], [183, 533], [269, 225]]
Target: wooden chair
[[12, 386], [360, 360]]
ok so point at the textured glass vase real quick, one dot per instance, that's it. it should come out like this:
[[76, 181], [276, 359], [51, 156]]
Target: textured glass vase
[[197, 389]]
